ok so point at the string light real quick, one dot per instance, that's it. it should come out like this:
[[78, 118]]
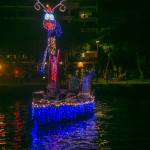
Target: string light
[[52, 111], [54, 29], [80, 134], [42, 68], [67, 109]]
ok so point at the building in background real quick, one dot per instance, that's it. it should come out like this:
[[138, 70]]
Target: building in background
[[80, 23]]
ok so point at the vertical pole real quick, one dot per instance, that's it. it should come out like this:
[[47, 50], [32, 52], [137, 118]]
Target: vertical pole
[[97, 50], [97, 43], [97, 63]]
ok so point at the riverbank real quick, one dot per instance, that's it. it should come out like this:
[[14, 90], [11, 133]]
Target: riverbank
[[116, 88], [100, 81]]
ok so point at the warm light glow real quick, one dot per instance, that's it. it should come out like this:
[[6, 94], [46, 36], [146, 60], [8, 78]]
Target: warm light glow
[[80, 64], [0, 66], [52, 45], [2, 129], [60, 63]]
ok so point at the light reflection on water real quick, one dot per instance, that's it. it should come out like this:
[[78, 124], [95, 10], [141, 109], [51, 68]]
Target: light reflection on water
[[12, 126], [71, 135], [17, 132], [83, 134], [2, 131], [121, 122]]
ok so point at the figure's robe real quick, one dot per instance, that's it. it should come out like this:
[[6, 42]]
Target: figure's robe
[[74, 85], [87, 81]]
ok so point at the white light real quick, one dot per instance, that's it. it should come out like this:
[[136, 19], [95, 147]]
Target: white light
[[83, 55], [49, 16], [46, 16]]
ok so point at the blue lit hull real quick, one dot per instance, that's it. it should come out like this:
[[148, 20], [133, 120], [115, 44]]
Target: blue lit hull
[[53, 114]]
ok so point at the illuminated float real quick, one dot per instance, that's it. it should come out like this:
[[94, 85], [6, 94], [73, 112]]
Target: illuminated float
[[58, 105]]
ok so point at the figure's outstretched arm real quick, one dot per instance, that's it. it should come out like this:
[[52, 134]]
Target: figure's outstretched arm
[[90, 76]]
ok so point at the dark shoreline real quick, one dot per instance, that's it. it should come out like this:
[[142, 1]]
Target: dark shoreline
[[100, 89], [19, 91]]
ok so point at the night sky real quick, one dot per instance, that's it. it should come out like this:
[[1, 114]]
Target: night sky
[[28, 35]]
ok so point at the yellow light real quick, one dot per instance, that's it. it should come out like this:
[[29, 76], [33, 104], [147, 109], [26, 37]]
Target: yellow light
[[80, 64], [82, 15]]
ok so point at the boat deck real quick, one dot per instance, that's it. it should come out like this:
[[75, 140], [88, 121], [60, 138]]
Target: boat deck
[[71, 100]]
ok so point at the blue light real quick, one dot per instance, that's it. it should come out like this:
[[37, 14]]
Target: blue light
[[42, 67], [54, 114], [58, 30], [80, 134]]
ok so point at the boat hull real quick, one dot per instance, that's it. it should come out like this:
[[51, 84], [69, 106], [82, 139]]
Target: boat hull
[[63, 112]]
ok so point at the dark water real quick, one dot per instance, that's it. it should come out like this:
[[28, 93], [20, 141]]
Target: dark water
[[121, 122]]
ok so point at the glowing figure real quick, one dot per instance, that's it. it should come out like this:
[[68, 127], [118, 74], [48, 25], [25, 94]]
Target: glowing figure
[[54, 30], [51, 108], [86, 82]]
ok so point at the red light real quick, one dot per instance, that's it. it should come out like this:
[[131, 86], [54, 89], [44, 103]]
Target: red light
[[16, 72], [49, 8], [48, 24]]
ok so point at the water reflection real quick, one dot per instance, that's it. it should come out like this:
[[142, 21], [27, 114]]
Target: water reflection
[[17, 131], [84, 134], [18, 127], [11, 126], [70, 135], [2, 130], [103, 116]]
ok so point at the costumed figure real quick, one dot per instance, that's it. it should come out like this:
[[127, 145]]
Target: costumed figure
[[73, 86], [87, 81], [51, 89]]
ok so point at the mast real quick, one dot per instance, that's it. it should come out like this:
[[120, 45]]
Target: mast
[[53, 31]]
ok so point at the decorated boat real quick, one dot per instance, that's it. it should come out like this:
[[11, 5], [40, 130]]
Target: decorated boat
[[58, 105]]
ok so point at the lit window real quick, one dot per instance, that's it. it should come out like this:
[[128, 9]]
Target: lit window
[[83, 55], [8, 56], [82, 15], [85, 15]]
